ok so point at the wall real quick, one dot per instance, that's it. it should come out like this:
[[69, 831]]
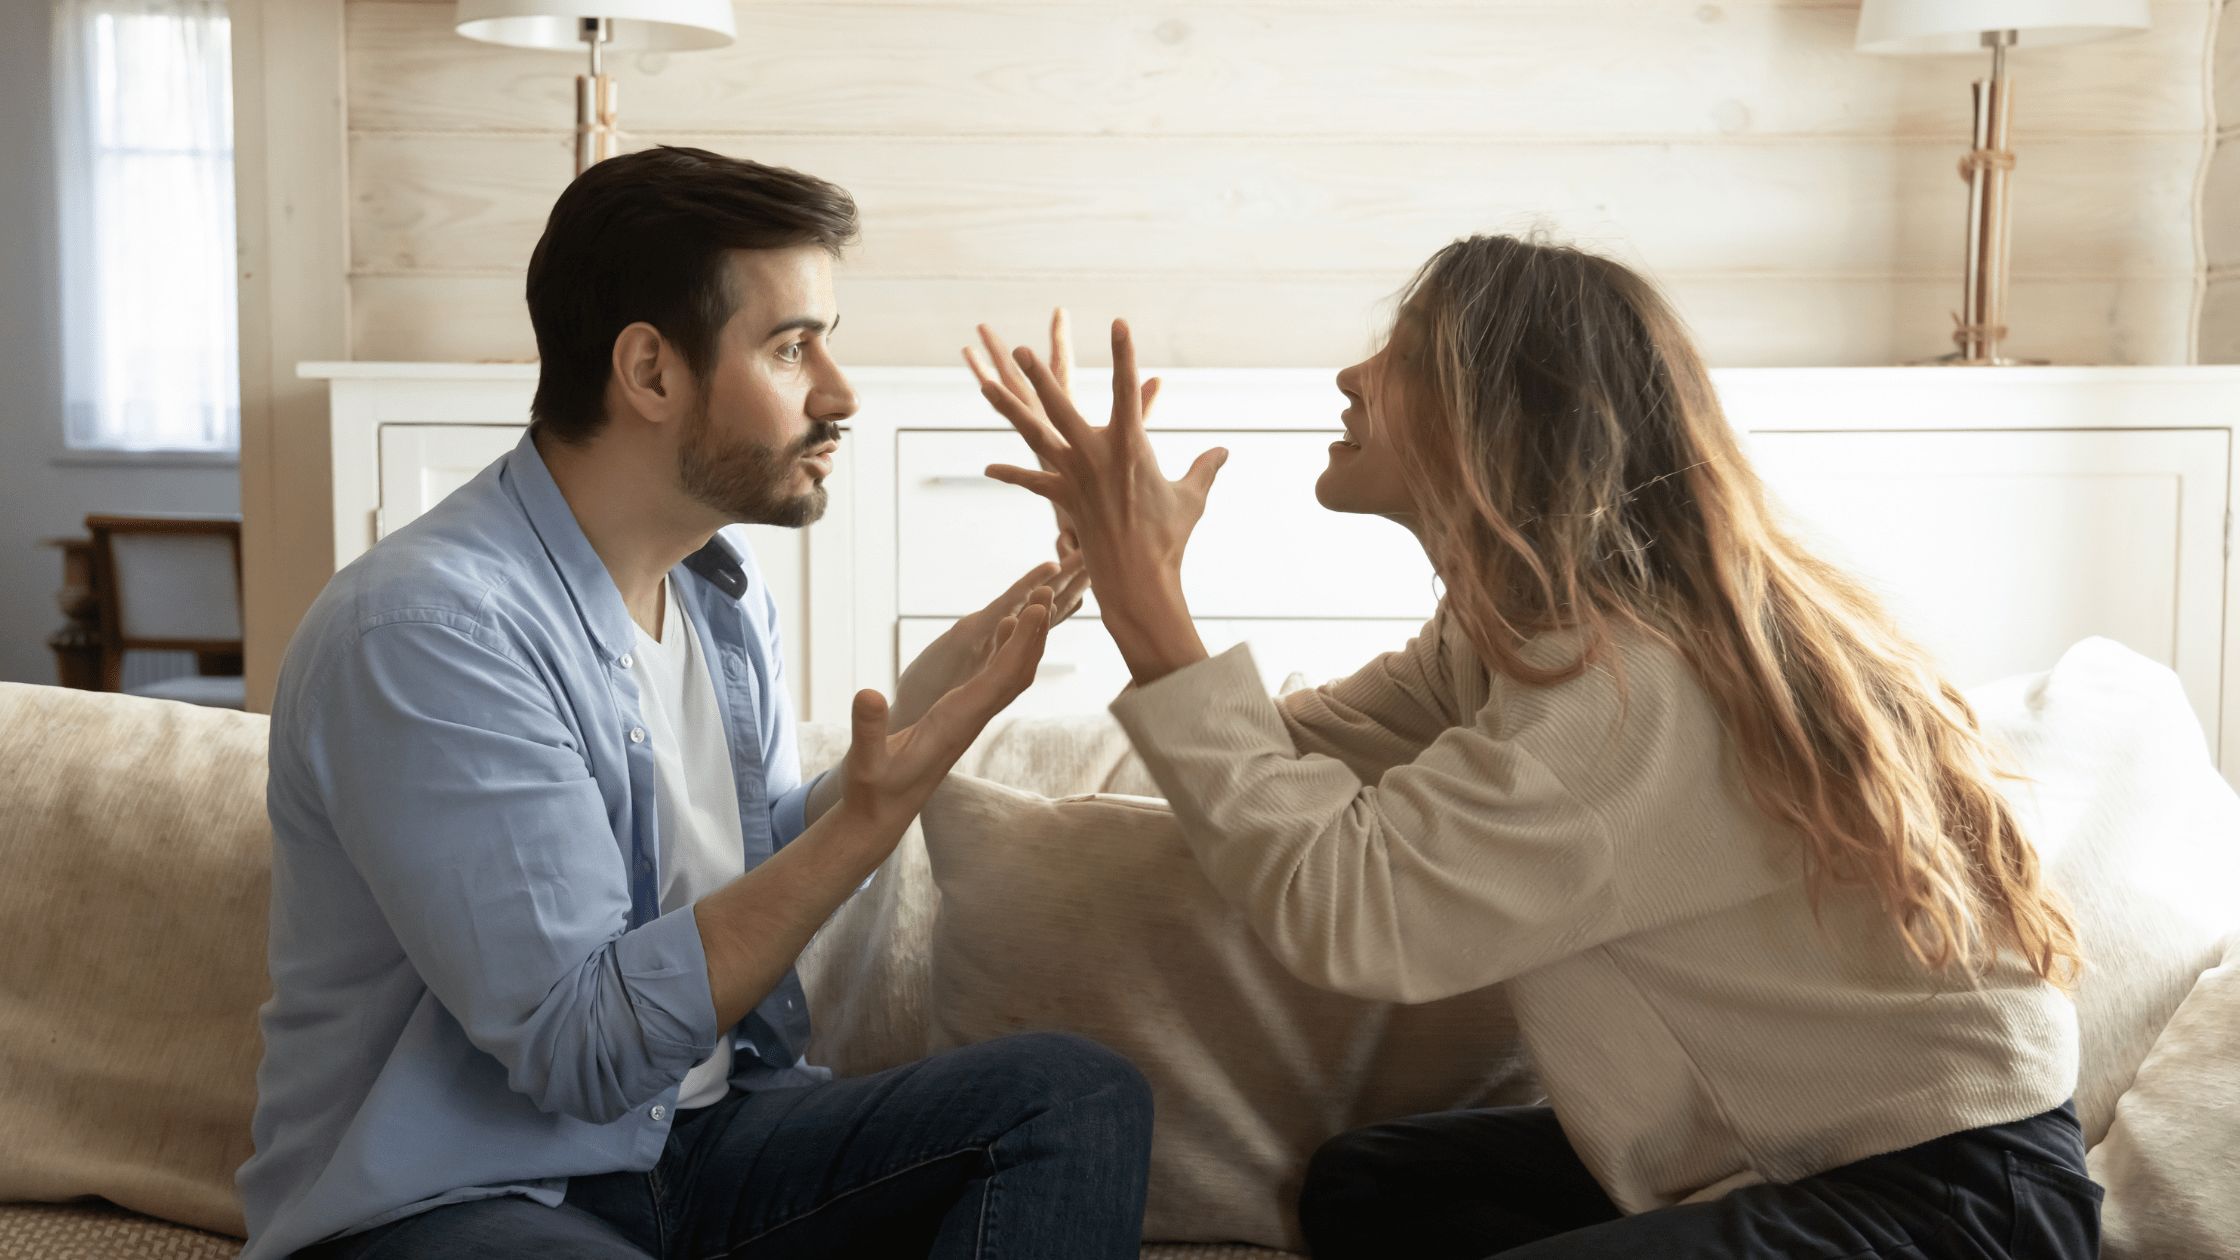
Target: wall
[[2220, 207], [39, 496], [1247, 180]]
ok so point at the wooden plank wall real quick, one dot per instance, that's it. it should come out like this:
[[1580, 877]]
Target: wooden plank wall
[[2218, 338], [1249, 181]]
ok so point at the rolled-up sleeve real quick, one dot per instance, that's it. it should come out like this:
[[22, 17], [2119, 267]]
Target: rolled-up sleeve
[[464, 797]]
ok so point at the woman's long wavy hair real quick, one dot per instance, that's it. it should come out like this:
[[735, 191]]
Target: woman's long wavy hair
[[1573, 470]]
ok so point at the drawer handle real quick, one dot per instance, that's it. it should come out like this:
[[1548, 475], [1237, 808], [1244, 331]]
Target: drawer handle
[[1054, 669], [962, 479]]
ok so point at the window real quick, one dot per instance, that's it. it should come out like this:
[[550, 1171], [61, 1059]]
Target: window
[[144, 130]]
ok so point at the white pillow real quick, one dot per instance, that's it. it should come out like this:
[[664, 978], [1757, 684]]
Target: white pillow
[[2137, 828]]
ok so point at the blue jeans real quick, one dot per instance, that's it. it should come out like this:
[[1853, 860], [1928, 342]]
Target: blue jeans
[[1461, 1185], [1031, 1146]]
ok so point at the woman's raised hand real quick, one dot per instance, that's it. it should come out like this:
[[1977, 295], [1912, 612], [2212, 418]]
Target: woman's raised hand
[[1132, 523]]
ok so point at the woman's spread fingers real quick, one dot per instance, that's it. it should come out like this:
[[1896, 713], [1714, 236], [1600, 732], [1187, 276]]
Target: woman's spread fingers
[[1043, 440], [1203, 470], [1127, 405], [1049, 485], [1061, 348], [1150, 393], [1013, 379], [1056, 404], [980, 371]]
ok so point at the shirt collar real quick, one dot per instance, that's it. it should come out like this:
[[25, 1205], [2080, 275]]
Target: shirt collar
[[585, 575], [589, 584]]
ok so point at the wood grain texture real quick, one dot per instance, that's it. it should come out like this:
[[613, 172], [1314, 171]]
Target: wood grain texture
[[1738, 320], [1366, 68], [291, 218], [1250, 180], [1185, 206]]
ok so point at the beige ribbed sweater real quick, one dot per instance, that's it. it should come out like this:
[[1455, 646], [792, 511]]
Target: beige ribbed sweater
[[1424, 828]]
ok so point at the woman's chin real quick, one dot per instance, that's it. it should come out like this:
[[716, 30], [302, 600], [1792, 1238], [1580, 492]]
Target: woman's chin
[[1330, 492]]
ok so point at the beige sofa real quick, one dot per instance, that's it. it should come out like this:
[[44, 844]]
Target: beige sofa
[[136, 853]]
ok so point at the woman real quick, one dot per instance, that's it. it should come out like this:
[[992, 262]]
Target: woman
[[1788, 967]]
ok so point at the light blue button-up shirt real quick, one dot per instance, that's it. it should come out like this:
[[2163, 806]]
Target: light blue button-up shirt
[[474, 990]]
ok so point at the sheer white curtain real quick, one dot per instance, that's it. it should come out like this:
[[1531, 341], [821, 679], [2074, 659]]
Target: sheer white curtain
[[144, 127]]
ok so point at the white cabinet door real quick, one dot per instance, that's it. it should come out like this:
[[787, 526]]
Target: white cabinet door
[[2000, 549], [1265, 548], [421, 464]]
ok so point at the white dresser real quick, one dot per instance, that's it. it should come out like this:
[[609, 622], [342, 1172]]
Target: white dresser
[[2005, 513]]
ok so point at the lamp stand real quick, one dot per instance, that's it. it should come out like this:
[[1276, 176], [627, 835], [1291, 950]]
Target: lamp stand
[[598, 137], [1983, 322]]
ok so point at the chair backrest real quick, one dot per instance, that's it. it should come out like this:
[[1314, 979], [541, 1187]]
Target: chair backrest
[[166, 583]]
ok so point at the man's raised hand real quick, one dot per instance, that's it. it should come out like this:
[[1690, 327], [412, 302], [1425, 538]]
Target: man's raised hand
[[965, 648], [890, 775]]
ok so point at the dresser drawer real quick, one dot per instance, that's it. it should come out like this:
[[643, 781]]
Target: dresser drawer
[[1082, 671], [1265, 548]]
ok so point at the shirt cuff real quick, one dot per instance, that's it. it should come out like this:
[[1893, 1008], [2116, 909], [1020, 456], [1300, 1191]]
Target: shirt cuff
[[665, 971], [789, 814]]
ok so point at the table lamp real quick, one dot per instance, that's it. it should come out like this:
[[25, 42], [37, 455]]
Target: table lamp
[[623, 25], [1964, 26]]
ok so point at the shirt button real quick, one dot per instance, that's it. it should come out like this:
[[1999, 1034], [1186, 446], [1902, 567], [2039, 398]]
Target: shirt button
[[637, 734], [625, 660], [658, 1111]]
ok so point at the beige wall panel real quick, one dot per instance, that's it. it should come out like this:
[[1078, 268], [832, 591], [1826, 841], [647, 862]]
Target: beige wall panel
[[2220, 203], [1740, 321], [1177, 206], [1363, 68], [2220, 322], [2225, 68]]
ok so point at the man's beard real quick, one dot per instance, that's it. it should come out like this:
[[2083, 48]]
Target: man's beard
[[746, 481]]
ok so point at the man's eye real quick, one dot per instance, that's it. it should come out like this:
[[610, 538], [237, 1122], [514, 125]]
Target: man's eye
[[790, 352]]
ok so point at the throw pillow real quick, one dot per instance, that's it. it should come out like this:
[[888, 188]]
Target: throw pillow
[[1089, 915], [2137, 828]]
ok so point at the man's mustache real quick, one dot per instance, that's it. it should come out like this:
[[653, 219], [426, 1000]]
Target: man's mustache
[[820, 432]]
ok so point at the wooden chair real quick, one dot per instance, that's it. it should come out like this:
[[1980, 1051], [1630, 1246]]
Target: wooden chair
[[171, 584]]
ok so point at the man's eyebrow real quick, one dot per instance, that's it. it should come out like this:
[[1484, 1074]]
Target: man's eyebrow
[[807, 322]]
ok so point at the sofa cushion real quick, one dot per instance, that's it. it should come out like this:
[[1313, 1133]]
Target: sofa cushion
[[1090, 915], [138, 865], [2171, 1160], [2137, 828]]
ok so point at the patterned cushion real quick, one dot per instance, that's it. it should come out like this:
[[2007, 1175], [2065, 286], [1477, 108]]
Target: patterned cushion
[[102, 1231]]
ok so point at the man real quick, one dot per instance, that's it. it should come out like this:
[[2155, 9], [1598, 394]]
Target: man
[[543, 858]]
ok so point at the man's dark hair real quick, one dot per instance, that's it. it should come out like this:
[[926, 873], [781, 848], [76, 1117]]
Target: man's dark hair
[[642, 237]]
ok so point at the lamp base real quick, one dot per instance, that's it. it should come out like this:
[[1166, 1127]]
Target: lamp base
[[1959, 359]]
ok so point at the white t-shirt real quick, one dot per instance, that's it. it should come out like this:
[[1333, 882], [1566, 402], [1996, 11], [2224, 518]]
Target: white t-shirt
[[697, 804]]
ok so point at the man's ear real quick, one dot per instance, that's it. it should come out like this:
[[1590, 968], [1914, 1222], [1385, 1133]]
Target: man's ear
[[650, 377]]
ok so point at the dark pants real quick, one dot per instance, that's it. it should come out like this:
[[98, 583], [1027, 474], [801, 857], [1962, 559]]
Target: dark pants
[[1031, 1146], [1460, 1185]]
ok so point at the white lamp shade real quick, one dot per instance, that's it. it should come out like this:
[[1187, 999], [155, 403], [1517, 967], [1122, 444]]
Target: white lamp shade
[[1957, 26], [637, 25]]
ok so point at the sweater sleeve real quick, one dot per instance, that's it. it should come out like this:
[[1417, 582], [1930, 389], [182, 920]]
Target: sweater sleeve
[[1467, 865], [1383, 714]]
